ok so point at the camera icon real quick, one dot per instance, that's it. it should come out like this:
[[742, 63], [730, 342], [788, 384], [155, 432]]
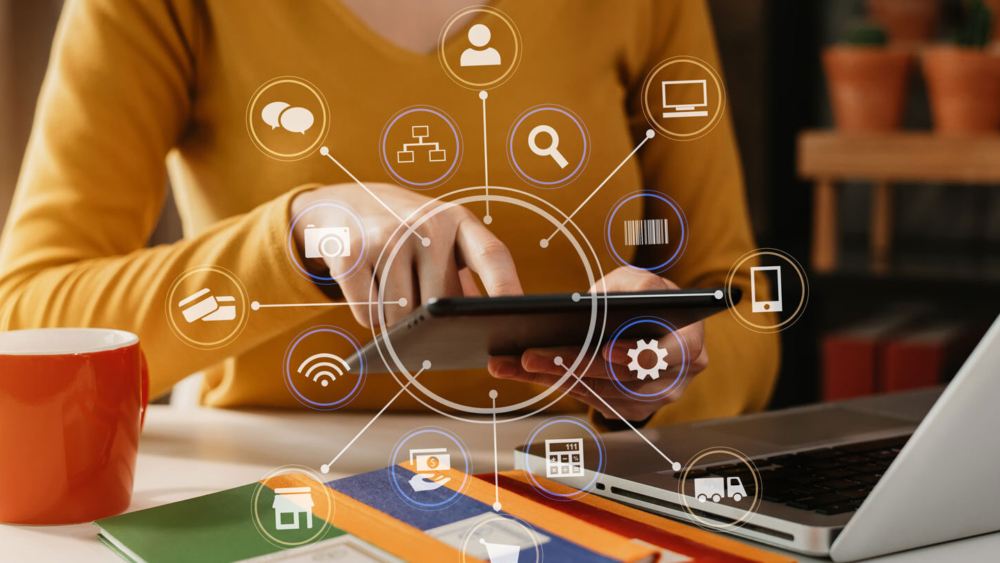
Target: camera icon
[[327, 242]]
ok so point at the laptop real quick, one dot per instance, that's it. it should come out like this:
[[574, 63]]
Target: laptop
[[849, 480]]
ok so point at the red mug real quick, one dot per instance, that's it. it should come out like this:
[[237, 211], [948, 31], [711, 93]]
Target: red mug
[[72, 403]]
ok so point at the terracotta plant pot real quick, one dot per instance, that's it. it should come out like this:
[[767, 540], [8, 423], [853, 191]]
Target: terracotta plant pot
[[867, 86], [906, 21], [994, 6], [964, 89]]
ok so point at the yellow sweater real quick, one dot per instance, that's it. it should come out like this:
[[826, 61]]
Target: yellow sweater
[[136, 89]]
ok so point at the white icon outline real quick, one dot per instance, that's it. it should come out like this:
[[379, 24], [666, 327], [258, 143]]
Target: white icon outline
[[647, 232], [479, 54], [317, 239], [559, 461], [684, 110], [758, 306], [426, 462], [421, 132], [501, 552], [209, 309], [651, 372], [716, 488], [292, 119], [294, 501], [313, 364], [552, 150]]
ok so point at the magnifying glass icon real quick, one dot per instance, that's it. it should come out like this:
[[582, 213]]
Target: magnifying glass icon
[[552, 150]]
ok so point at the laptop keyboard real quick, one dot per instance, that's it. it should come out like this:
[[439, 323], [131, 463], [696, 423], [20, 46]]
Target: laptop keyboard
[[826, 480]]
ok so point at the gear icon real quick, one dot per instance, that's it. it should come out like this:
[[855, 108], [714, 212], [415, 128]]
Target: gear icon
[[653, 372]]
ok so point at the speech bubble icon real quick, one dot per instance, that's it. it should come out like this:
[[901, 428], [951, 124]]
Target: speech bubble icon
[[272, 112], [297, 120]]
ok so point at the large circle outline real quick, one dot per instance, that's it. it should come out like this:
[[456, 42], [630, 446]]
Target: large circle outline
[[288, 157], [575, 173], [678, 252], [720, 88], [292, 252], [681, 374], [459, 147], [601, 460], [289, 379], [407, 229], [443, 41], [456, 493], [803, 299], [233, 334], [255, 515]]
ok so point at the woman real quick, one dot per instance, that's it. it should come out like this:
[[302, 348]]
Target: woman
[[139, 88]]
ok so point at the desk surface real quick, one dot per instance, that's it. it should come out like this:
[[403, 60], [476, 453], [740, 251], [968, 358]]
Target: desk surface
[[187, 453]]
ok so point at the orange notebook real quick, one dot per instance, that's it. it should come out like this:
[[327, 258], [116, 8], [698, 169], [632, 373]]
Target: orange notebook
[[369, 509], [588, 530]]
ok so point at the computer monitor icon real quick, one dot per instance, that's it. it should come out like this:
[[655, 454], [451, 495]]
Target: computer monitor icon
[[683, 97], [764, 274]]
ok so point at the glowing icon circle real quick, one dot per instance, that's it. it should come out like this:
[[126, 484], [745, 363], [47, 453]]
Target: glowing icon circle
[[700, 98], [307, 126], [318, 378]]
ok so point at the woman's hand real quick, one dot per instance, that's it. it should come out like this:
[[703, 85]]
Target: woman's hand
[[458, 242], [538, 365]]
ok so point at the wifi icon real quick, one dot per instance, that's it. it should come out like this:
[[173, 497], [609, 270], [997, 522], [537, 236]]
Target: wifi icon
[[324, 369]]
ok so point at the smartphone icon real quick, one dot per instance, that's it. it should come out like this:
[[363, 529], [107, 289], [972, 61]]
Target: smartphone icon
[[765, 274]]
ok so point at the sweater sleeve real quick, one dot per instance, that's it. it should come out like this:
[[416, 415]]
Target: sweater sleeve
[[116, 98], [705, 177]]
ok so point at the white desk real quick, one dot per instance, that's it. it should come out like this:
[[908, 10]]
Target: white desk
[[187, 453]]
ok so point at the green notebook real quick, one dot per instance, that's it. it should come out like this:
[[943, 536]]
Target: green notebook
[[218, 528]]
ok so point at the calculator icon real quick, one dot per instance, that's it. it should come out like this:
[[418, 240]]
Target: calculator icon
[[564, 458]]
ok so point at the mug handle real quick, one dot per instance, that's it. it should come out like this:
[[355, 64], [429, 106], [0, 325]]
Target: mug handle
[[144, 388]]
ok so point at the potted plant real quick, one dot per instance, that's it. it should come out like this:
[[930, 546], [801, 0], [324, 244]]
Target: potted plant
[[867, 81], [963, 80], [906, 21], [994, 6]]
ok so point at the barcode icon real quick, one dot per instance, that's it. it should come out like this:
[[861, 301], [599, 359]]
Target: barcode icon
[[646, 232]]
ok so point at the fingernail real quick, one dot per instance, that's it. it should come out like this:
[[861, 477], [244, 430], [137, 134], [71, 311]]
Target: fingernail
[[618, 354]]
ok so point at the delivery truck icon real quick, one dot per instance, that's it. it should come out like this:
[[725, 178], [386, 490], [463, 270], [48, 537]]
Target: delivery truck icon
[[716, 487]]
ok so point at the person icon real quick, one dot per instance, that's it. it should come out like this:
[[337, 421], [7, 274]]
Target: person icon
[[479, 36]]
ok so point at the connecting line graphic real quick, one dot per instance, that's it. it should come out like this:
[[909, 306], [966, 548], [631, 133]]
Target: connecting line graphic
[[325, 151], [326, 467], [578, 296], [257, 305], [486, 163], [544, 243], [496, 463], [674, 465]]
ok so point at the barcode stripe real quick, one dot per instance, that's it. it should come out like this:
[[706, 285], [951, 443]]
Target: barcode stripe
[[646, 232]]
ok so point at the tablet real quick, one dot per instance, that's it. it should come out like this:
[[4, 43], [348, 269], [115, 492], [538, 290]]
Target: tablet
[[463, 332]]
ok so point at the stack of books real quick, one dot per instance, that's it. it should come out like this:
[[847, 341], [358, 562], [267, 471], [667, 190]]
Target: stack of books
[[362, 519]]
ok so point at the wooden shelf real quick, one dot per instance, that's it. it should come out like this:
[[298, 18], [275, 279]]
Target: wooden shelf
[[922, 267], [899, 157], [828, 157]]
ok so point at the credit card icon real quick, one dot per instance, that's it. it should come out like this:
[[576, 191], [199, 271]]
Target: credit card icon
[[203, 306]]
